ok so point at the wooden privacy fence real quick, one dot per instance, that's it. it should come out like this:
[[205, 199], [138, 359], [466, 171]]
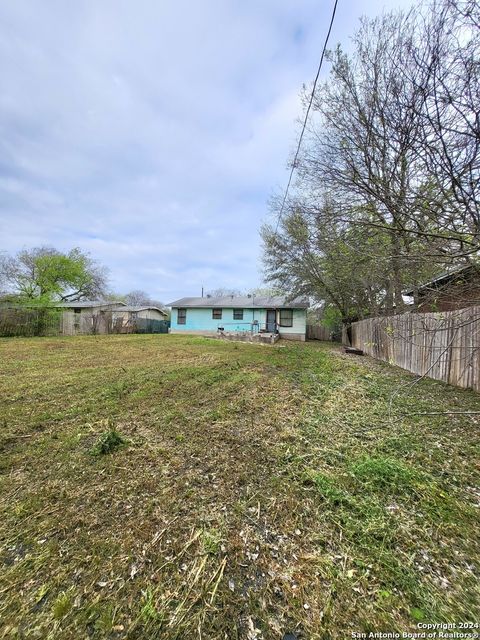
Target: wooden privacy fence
[[444, 346], [50, 322], [105, 322], [30, 322], [317, 332], [148, 325]]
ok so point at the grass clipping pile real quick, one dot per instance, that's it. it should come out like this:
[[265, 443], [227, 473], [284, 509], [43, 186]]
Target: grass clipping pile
[[173, 487]]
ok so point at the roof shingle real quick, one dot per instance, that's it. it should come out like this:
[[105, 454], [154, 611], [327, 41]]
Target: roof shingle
[[243, 302]]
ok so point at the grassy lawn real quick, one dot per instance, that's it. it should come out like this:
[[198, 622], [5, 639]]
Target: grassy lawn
[[258, 491]]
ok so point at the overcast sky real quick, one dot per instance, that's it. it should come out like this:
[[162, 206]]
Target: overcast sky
[[152, 133]]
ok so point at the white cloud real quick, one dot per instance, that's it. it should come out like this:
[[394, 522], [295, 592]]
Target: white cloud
[[152, 133]]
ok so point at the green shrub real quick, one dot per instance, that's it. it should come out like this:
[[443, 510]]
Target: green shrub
[[108, 442]]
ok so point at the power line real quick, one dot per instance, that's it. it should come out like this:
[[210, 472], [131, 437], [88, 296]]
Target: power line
[[306, 115]]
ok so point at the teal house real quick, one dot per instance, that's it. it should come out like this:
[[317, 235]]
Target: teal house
[[244, 314]]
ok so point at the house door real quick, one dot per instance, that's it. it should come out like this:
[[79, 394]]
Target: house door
[[271, 317]]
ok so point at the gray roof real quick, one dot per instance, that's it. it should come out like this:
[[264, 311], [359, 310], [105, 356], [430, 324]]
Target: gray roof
[[87, 304], [147, 308], [445, 278], [242, 302]]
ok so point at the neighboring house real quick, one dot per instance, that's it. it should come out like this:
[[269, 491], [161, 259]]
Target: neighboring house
[[108, 317], [208, 316], [146, 313], [126, 319], [87, 316], [450, 291]]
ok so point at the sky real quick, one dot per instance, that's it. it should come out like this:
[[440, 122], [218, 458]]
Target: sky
[[152, 133]]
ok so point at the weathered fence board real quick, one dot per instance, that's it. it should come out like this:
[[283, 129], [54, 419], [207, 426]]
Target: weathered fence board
[[444, 346], [47, 322], [149, 325], [317, 332], [29, 322]]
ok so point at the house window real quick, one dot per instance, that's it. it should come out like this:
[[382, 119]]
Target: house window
[[238, 314], [217, 314], [286, 317], [76, 318], [182, 316]]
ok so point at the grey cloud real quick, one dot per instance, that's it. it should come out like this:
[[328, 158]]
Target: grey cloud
[[152, 133]]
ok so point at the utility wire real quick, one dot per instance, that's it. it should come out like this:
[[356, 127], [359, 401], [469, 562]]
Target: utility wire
[[294, 164]]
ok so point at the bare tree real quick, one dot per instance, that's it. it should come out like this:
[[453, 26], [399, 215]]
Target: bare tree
[[394, 145], [446, 58], [223, 292], [362, 148], [138, 298], [266, 292]]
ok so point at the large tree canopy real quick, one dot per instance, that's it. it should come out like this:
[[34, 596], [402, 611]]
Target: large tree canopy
[[44, 274], [388, 181]]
